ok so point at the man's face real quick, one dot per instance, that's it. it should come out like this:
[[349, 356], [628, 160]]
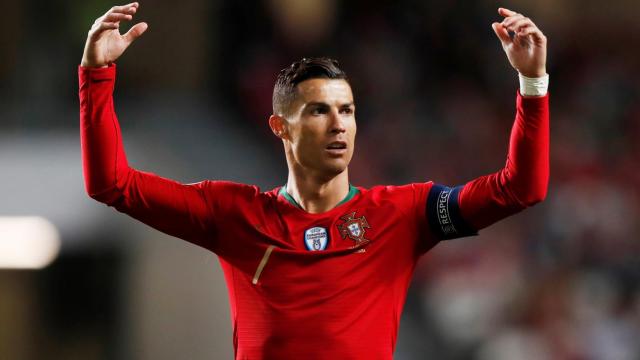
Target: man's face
[[322, 126]]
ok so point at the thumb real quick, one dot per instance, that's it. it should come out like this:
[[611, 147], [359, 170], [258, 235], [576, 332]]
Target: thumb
[[135, 32], [501, 33]]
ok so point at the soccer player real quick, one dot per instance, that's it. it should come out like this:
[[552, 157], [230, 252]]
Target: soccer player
[[317, 268]]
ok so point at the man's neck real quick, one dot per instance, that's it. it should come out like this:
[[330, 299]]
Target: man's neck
[[316, 195]]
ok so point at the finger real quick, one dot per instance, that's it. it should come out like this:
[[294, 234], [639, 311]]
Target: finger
[[105, 25], [512, 19], [129, 9], [524, 30], [135, 31], [501, 32], [506, 12], [115, 17], [102, 27], [519, 24], [535, 33], [125, 9]]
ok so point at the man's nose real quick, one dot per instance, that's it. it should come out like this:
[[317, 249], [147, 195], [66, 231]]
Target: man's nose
[[337, 122]]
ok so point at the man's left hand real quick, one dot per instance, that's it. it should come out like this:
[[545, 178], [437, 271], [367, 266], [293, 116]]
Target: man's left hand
[[527, 48]]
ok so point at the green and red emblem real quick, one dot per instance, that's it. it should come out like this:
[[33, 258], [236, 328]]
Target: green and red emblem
[[354, 228]]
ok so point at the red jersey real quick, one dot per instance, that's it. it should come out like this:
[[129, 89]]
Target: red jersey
[[301, 285]]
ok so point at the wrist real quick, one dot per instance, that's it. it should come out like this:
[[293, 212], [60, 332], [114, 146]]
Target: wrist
[[85, 63], [534, 86], [94, 66], [534, 74]]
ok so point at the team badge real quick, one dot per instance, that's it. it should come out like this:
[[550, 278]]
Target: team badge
[[316, 238], [354, 228]]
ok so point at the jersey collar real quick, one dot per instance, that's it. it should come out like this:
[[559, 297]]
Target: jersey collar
[[353, 191]]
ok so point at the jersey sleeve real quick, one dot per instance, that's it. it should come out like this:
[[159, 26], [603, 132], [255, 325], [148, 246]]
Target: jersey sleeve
[[185, 211], [463, 210]]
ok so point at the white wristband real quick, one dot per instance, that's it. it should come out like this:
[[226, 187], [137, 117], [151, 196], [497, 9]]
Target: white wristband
[[534, 86]]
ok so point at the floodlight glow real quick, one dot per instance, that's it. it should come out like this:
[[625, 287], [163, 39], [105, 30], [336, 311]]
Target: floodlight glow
[[27, 242]]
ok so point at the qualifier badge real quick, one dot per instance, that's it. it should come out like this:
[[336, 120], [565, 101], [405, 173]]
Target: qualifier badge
[[316, 238]]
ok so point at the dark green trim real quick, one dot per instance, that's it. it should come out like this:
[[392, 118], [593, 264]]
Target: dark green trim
[[283, 192], [353, 191]]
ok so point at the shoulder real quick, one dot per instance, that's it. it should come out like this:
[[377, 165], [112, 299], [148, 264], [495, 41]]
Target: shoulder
[[409, 198], [412, 192], [223, 185], [229, 191]]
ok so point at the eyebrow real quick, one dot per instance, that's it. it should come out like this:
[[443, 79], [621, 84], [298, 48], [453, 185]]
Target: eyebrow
[[318, 103]]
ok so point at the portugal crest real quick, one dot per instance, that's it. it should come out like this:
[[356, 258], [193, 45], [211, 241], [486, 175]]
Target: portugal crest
[[354, 228]]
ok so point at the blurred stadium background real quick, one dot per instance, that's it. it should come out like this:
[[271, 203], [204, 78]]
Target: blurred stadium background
[[435, 98]]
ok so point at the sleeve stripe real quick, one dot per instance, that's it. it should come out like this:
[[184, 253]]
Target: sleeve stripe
[[443, 213]]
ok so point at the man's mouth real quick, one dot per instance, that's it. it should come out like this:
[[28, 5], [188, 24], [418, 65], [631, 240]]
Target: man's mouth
[[337, 147]]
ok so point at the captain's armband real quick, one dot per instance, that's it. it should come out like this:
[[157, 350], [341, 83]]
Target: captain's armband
[[443, 213]]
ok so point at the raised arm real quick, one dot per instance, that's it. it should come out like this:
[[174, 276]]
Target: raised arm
[[461, 211], [177, 209], [524, 179]]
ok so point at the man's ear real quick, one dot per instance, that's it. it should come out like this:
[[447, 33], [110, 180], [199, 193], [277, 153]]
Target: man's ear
[[278, 125]]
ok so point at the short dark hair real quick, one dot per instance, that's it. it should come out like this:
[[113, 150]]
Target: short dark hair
[[308, 68]]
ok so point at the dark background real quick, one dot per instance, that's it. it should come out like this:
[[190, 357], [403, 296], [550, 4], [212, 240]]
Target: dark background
[[435, 97]]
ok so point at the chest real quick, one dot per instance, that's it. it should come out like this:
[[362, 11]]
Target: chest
[[357, 240], [348, 228]]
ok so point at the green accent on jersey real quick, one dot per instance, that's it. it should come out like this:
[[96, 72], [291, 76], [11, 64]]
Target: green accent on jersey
[[283, 192], [353, 191]]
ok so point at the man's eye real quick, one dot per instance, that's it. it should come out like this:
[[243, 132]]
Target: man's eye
[[347, 111], [318, 111]]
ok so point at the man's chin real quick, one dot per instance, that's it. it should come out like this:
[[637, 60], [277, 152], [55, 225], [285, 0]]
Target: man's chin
[[327, 168], [336, 168], [331, 169]]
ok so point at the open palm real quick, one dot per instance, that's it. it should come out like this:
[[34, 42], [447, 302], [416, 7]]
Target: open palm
[[104, 42]]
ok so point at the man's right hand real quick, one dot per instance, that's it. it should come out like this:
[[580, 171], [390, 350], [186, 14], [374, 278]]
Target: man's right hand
[[105, 43]]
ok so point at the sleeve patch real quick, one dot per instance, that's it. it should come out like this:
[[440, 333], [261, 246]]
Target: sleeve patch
[[443, 213]]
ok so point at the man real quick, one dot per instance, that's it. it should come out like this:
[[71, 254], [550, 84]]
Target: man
[[318, 268]]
